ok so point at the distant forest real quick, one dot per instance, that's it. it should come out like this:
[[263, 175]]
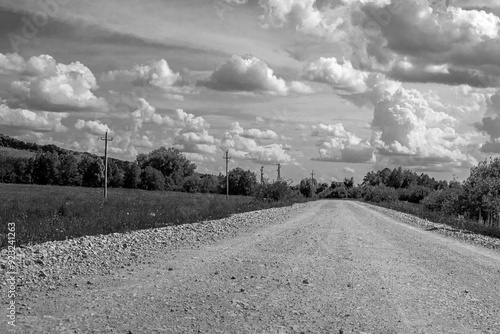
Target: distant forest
[[162, 169]]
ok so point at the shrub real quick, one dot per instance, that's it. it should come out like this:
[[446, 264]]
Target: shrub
[[448, 201], [275, 192], [326, 193], [355, 192], [379, 193]]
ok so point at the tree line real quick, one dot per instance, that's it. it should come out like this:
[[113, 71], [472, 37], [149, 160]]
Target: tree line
[[477, 198]]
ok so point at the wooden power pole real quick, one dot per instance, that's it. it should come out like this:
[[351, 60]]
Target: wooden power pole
[[279, 172], [227, 157], [262, 175], [106, 140], [312, 176]]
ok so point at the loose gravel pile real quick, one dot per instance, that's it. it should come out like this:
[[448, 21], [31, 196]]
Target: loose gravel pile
[[49, 264], [477, 239]]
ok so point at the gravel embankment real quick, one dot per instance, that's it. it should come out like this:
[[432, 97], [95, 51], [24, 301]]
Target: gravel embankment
[[49, 264], [477, 239]]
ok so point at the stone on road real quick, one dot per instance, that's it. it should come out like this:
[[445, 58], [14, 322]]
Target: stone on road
[[333, 267]]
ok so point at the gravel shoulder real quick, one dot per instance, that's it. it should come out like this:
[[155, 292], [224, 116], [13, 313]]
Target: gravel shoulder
[[319, 267]]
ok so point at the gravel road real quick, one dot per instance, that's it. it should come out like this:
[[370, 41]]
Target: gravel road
[[319, 267]]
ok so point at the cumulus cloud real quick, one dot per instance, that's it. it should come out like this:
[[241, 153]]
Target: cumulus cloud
[[338, 145], [38, 121], [339, 75], [490, 124], [247, 148], [198, 157], [349, 170], [405, 124], [154, 74], [446, 43], [461, 43], [93, 127], [250, 74], [11, 63], [44, 84], [193, 135], [145, 112], [302, 15], [259, 134]]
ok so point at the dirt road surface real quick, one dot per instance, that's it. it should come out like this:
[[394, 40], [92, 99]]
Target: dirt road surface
[[334, 267]]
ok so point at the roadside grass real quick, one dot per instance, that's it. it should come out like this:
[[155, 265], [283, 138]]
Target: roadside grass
[[441, 218], [48, 213]]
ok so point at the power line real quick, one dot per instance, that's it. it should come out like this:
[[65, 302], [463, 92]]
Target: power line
[[227, 157], [106, 140]]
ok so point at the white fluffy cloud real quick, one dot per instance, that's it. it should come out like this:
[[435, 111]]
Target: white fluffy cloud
[[406, 124], [462, 43], [154, 74], [11, 63], [250, 74], [247, 149], [146, 113], [259, 134], [41, 121], [339, 75], [302, 15], [349, 170], [193, 136], [490, 124], [444, 42], [44, 84], [338, 145], [93, 127]]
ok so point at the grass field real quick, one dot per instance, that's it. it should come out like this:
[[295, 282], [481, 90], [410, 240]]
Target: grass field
[[45, 213]]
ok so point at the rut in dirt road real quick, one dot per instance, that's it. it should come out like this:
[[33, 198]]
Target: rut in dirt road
[[336, 266]]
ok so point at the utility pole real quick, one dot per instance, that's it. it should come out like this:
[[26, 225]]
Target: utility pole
[[106, 140], [312, 176], [227, 157], [262, 175], [279, 172]]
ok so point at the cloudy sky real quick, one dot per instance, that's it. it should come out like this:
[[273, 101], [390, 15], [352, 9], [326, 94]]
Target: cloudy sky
[[338, 86]]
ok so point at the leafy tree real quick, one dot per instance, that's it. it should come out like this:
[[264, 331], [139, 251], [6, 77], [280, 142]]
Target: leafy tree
[[426, 181], [68, 170], [23, 170], [115, 174], [482, 189], [396, 178], [409, 178], [152, 179], [208, 183], [447, 201], [355, 192], [307, 187], [192, 183], [321, 187], [349, 183], [132, 176], [241, 182], [93, 176], [170, 162], [46, 168], [371, 179]]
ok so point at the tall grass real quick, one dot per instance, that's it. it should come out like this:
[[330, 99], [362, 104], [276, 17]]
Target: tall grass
[[438, 217], [46, 213]]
